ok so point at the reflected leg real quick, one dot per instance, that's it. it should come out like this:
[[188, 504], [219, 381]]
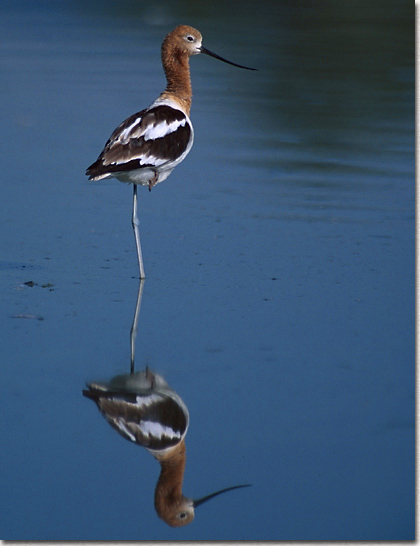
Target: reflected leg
[[134, 327]]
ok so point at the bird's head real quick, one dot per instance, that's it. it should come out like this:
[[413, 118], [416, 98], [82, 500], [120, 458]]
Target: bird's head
[[182, 511]]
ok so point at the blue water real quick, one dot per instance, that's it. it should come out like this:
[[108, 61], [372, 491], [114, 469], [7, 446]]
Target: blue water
[[279, 299]]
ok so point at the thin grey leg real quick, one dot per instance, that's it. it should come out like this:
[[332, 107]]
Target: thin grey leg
[[136, 228], [134, 327]]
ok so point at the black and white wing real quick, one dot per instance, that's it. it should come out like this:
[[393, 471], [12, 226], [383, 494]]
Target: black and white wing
[[153, 420], [153, 138]]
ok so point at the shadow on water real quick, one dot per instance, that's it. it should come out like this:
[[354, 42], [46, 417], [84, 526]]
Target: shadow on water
[[143, 409]]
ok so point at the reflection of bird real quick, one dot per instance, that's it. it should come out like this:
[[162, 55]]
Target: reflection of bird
[[145, 410], [148, 145]]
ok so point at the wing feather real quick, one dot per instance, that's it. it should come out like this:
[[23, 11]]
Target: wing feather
[[153, 420], [150, 138]]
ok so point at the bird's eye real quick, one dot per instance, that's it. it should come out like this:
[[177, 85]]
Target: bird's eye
[[183, 515], [190, 38]]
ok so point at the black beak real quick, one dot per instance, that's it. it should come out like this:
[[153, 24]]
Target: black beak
[[208, 497], [211, 54]]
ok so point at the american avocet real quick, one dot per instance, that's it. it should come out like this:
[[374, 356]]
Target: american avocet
[[146, 147], [145, 410]]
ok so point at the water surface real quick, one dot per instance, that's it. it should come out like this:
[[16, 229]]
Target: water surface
[[279, 299]]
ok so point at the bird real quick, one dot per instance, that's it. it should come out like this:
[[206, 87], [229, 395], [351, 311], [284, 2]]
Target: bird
[[143, 409], [146, 147]]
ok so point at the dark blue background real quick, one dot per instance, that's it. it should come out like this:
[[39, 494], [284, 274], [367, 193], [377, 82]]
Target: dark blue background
[[279, 301]]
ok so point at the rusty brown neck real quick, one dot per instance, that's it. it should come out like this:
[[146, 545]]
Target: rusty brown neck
[[168, 492], [177, 71]]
